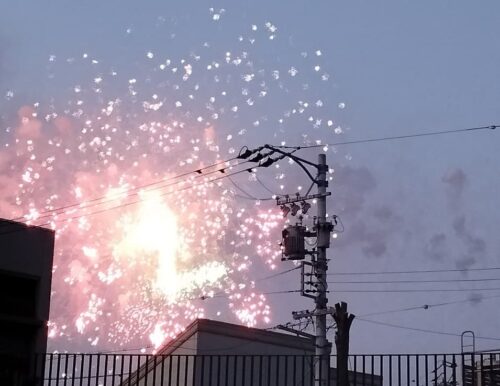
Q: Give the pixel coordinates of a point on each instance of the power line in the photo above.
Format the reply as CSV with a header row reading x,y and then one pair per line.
x,y
412,281
391,138
417,290
125,204
200,171
248,195
415,271
428,306
200,174
120,194
225,295
422,329
265,186
281,292
278,274
135,191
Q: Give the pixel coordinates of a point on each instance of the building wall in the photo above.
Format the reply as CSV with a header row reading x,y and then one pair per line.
x,y
26,255
274,358
180,366
220,353
209,351
215,353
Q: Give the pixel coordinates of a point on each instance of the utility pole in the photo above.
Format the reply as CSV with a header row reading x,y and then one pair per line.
x,y
314,272
323,230
314,282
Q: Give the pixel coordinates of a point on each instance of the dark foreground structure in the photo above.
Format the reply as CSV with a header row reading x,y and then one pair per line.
x,y
484,372
211,353
26,255
264,370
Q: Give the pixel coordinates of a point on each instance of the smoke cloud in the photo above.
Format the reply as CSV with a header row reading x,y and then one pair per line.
x,y
352,185
455,181
436,246
474,246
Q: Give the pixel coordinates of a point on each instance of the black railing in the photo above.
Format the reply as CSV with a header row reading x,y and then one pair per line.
x,y
262,370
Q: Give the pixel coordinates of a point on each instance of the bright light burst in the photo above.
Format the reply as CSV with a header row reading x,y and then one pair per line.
x,y
135,265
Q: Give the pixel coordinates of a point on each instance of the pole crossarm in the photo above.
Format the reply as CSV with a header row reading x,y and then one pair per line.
x,y
289,200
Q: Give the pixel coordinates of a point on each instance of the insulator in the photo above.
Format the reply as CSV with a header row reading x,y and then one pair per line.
x,y
305,207
268,162
285,210
245,152
294,209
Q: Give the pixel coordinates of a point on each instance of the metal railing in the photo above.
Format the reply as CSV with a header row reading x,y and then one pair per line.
x,y
262,370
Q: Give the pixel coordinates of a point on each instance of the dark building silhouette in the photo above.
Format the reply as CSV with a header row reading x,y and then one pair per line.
x,y
485,372
26,255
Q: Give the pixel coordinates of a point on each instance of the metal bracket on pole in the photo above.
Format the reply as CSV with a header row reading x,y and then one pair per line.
x,y
290,200
308,314
300,333
305,292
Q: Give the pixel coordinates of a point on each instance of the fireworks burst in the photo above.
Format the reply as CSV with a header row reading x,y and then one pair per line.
x,y
137,246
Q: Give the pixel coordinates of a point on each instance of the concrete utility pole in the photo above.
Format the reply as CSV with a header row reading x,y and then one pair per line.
x,y
313,282
323,230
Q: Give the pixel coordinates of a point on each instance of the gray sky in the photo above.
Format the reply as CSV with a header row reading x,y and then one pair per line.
x,y
400,67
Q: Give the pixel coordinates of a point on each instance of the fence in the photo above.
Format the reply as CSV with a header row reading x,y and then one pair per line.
x,y
262,370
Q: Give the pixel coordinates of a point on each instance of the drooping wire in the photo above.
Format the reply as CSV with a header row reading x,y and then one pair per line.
x,y
248,195
200,174
126,192
267,188
133,192
122,205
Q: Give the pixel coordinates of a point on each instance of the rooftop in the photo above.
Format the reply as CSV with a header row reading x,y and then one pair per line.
x,y
239,332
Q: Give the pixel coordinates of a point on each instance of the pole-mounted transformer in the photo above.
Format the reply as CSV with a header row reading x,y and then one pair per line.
x,y
293,243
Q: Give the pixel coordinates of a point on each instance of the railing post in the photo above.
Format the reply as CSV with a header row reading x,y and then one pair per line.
x,y
390,370
454,371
